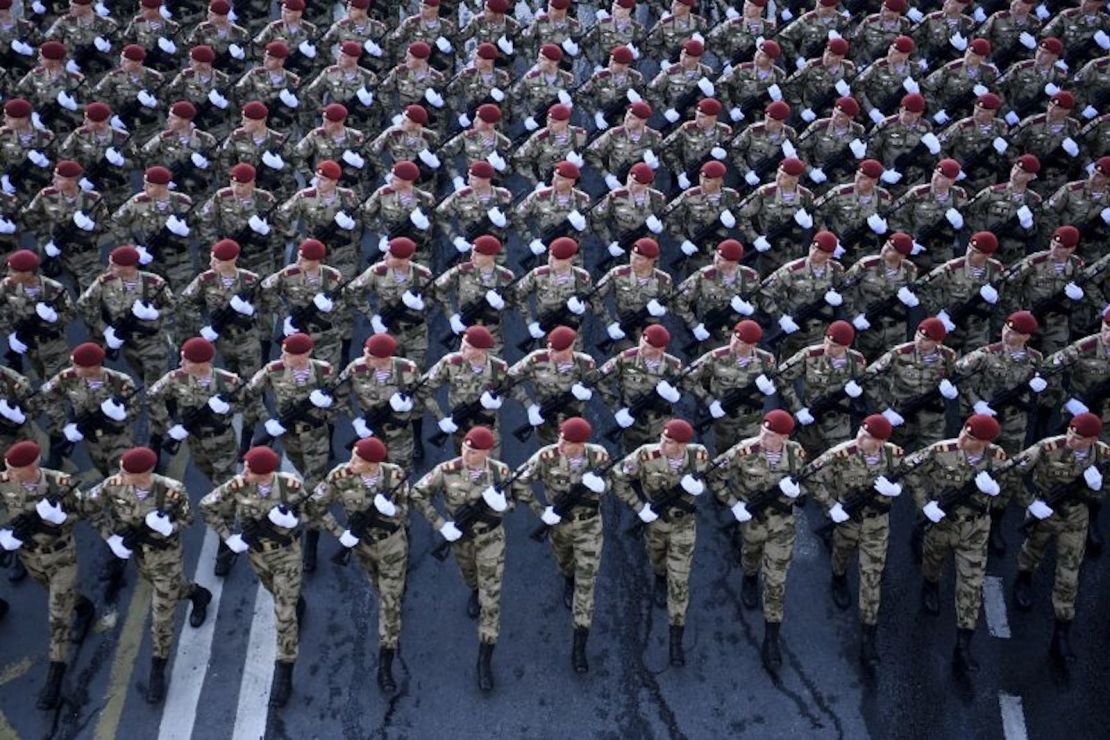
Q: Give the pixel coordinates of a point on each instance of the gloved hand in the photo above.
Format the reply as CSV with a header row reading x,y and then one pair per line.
x,y
667,391
740,306
789,487
765,385
178,432
955,218
612,182
1039,510
288,328
362,429
549,517
457,326
115,544
495,499
656,309
877,223
111,338
366,97
615,332
982,407
1037,384
988,294
593,482
837,513
947,390
575,305
716,410
736,114
647,516
167,45
218,405
177,226
427,157
258,225
280,516
817,175
958,41
1025,217
787,324
853,389
1000,145
236,51
9,541
727,219
160,522
323,302
274,428
980,89
671,115
570,47
986,484
740,511
287,97
624,418
15,345
808,115
321,399
50,513
688,248
891,177
38,158
450,532
113,409
615,249
535,418
146,99
908,297
859,149
530,123
347,539
274,161
887,488
692,485
700,332
401,403
236,544
72,433
494,299
894,417
384,505
505,45
497,94
804,417
490,401
650,159
933,512
1069,146
1012,118
1073,291
1093,477
66,100
354,159
418,219
751,178
861,323
803,219
12,413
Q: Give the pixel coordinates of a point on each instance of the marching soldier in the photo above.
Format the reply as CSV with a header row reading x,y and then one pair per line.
x,y
882,84
875,283
558,288
243,212
36,311
413,80
776,216
823,143
856,211
560,378
1024,81
184,148
1078,27
157,219
480,142
554,26
204,86
709,300
678,85
641,383
480,288
668,473
336,141
24,148
978,142
1051,136
548,209
1082,202
628,210
271,83
479,82
399,208
1005,29
1087,385
327,213
477,208
816,83
79,28
267,150
739,35
900,141
943,33
494,27
426,27
803,37
143,514
640,291
857,470
690,145
879,30
699,214
1045,282
565,464
463,481
151,30
762,472
808,286
131,90
51,87
673,29
1009,210
257,511
760,146
348,84
610,89
18,407
43,506
104,149
541,85
952,88
548,147
932,213
408,140
374,498
230,41
622,147
359,27
965,286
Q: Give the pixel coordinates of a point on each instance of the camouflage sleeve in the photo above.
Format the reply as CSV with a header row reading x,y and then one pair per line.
x,y
526,475
622,476
218,510
974,386
919,478
436,377
424,493
88,306
157,396
789,372
92,505
181,512
318,508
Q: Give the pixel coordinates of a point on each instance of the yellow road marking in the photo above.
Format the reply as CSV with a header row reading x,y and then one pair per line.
x,y
123,665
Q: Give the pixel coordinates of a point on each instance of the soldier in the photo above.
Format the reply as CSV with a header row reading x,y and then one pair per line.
x,y
131,88
1052,137
554,285
152,31
642,384
776,216
945,32
358,26
105,150
308,294
1045,282
230,41
157,220
613,28
24,149
86,33
336,141
763,472
474,377
560,377
823,143
857,211
1088,82
874,284
803,37
1095,136
51,87
205,87
201,397
674,29
257,511
1005,29
399,208
1082,202
1078,27
816,84
738,36
808,286
847,474
1009,210
408,140
540,86
699,215
931,213
328,212
952,88
694,142
481,142
548,211
481,289
413,80
877,32
294,31
639,291
479,82
620,148
302,388
374,497
463,481
271,83
1025,80
761,145
188,151
244,212
384,385
476,208
36,309
743,87
262,147
965,286
569,464
905,142
964,463
710,299
130,308
43,507
668,473
628,211
347,83
18,407
676,87
550,145
717,377
143,514
426,27
612,88
978,142
494,27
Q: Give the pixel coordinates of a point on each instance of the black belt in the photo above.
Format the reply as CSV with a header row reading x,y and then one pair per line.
x,y
481,528
59,544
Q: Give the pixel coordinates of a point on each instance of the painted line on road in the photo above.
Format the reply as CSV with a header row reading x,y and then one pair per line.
x,y
1013,717
123,665
994,601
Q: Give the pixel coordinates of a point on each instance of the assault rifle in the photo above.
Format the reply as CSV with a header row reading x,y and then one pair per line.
x,y
472,513
675,498
480,309
576,496
468,411
857,500
310,317
296,412
1072,490
649,400
361,522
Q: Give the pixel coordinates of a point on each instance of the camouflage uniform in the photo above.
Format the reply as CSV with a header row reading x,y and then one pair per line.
x,y
373,389
316,213
1036,135
1077,203
141,220
50,215
620,213
260,84
1076,28
89,147
844,211
291,289
552,381
756,147
470,88
1038,278
994,209
617,149
736,39
669,33
212,445
709,292
469,207
1023,84
1095,136
792,287
18,393
807,34
408,87
47,351
545,209
689,145
898,146
408,327
903,373
771,209
936,29
67,391
41,86
872,282
825,146
954,283
992,369
631,293
1003,28
469,286
814,85
720,371
971,144
319,145
677,85
466,383
15,147
225,215
1089,361
552,290
921,214
880,85
176,152
474,146
537,157
401,145
243,146
191,86
336,85
821,375
695,216
746,86
120,88
951,88
387,212
626,378
608,92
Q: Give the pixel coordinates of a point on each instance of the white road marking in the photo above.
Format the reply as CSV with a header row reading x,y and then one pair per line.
x,y
994,601
1013,717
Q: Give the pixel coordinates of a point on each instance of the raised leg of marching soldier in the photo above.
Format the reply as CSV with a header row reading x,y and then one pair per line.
x,y
147,357
309,449
386,562
768,546
577,543
83,267
871,536
214,455
1012,440
966,535
240,355
279,572
481,559
670,548
105,450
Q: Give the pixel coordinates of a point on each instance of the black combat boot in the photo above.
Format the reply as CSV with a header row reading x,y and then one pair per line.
x,y
1061,642
678,656
485,672
962,659
156,687
997,539
772,657
1023,590
52,691
473,607
840,591
225,558
749,592
17,571
930,597
311,540
578,651
84,613
659,595
302,607
868,652
112,570
282,686
1094,534
201,597
568,592
418,440
385,670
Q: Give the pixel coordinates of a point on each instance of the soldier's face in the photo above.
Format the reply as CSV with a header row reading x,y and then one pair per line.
x,y
88,372
242,189
202,68
983,115
560,183
728,267
356,14
649,350
196,368
80,11
559,265
888,15
561,355
952,7
331,126
123,272
773,125
346,61
940,182
23,473
222,266
618,12
633,122
129,65
398,264
1018,7
1058,252
158,192
66,184
840,119
896,57
704,120
256,478
710,184
1076,441
863,182
771,440
571,449
20,277
1099,180
378,363
832,349
970,444
829,59
671,448
272,63
1020,176
482,261
149,13
785,181
327,185
616,67
308,265
818,256
295,361
482,64
972,59
292,17
751,10
217,20
679,9
362,467
472,354
1044,57
473,458
975,257
866,442
908,118
923,343
739,346
1013,338
762,59
1057,112
429,12
640,263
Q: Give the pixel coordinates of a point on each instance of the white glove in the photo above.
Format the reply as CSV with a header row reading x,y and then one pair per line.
x,y
861,323
947,390
612,182
1000,145
494,299
728,220
736,114
354,159
837,513
707,87
320,399
362,429
8,541
177,226
817,175
167,45
535,418
530,123
1012,118
833,298
789,487
72,433
887,488
6,226
66,100
1090,112
1069,146
859,149
1105,214
908,297
751,178
671,115
581,392
1102,39
615,332
400,403
367,98
683,181
322,302
288,98
718,152
624,418
909,85
113,410
549,517
764,384
955,218
146,99
159,522
1073,291
1075,407
933,511
46,312
700,332
450,532
418,219
1038,384
505,45
218,405
716,410
692,485
428,158
890,177
144,310
235,544
615,249
593,482
761,244
347,539
647,516
457,325
894,417
274,428
26,50
808,115
958,41
1025,217
988,294
1039,509
775,93
803,219
38,158
495,499
656,309
111,339
688,248
804,417
1042,12
575,305
281,518
570,47
980,89
497,94
287,327
273,161
178,432
16,345
447,425
7,184
740,511
876,222
490,401
787,324
875,115
941,117
842,87
577,220
50,513
740,306
384,505
258,225
982,407
853,389
345,222
12,413
236,51
667,391
412,301
115,544
986,484
1093,478
496,217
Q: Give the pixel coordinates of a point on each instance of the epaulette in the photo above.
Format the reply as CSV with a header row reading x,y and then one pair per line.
x,y
1039,258
999,187
380,269
69,373
359,367
947,446
700,453
294,483
532,74
180,373
236,483
798,264
326,369
291,271
622,271
167,135
696,190
628,354
845,190
151,279
386,190
540,355
997,453
1003,14
549,453
542,270
673,361
857,356
276,366
651,454
505,272
308,193
688,125
871,261
50,190
620,193
801,189
452,465
953,64
709,272
341,472
499,364
454,358
996,264
817,351
601,75
579,130
106,278
722,352
899,451
225,193
408,365
994,347
845,450
142,198
580,272
1077,185
1087,344
905,348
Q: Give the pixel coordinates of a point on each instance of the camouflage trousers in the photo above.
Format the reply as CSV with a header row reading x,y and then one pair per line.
x,y
47,358
921,431
966,534
328,345
163,569
309,451
648,427
215,455
399,443
670,549
831,429
240,352
57,571
1069,527
481,560
1014,423
883,334
768,546
262,261
1053,334
83,266
972,334
177,268
385,561
412,342
577,543
279,572
871,535
147,357
105,450
811,332
729,430
25,431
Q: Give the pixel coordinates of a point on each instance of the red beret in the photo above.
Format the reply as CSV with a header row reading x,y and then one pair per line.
x,y
1053,45
902,242
184,109
642,173
1067,235
406,170
758,3
402,247
261,460
134,52
371,449
487,244
568,169
950,168
826,241
933,328
641,110
158,175
563,248
561,337
621,55
898,6
256,110
914,102
54,50
381,345
68,168
778,421
838,46
559,112
771,48
481,168
710,107
88,354
360,4
731,250
489,113
1029,163
872,168
748,331
1064,99
984,241
646,247
1087,425
226,249
98,112
312,249
351,49
497,6
277,49
416,114
693,47
559,4
778,110
430,3
487,51
219,7
904,44
792,166
982,427
23,454
982,47
990,101
576,430
202,53
479,438
713,169
335,112
125,256
689,3
679,430
139,459
294,4
298,344
657,335
1023,322
17,108
243,172
552,52
420,50
330,169
478,337
198,349
848,105
878,426
23,260
1103,165
841,332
